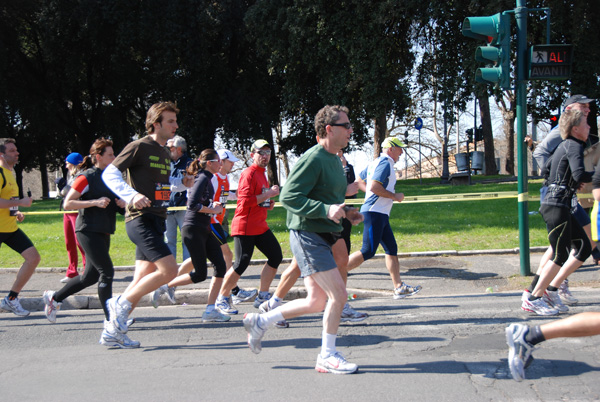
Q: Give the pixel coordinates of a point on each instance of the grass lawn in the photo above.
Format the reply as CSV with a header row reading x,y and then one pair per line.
x,y
431,226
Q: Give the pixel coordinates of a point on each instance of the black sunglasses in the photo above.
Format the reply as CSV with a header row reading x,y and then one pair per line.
x,y
347,126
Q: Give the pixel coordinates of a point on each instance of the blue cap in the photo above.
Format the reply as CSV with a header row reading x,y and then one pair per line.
x,y
74,158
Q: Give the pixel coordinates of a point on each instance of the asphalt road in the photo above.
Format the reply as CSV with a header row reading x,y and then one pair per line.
x,y
431,347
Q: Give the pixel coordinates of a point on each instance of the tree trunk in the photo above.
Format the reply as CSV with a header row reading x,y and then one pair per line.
x,y
272,168
488,135
282,155
509,133
380,134
44,175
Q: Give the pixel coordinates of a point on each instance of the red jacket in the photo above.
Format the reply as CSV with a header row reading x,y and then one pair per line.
x,y
250,219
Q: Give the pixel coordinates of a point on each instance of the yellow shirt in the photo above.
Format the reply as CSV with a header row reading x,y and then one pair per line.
x,y
10,190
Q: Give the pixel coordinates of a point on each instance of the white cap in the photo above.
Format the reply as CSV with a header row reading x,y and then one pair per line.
x,y
226,154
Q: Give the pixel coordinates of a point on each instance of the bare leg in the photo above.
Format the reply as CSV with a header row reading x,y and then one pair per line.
x,y
32,259
266,277
393,266
583,324
287,280
215,286
166,270
227,255
231,279
570,266
320,287
549,272
356,258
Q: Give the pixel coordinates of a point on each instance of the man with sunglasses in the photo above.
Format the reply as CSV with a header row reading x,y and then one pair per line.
x,y
249,228
314,196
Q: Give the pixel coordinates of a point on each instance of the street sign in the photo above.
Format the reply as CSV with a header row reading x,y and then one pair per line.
x,y
550,62
418,123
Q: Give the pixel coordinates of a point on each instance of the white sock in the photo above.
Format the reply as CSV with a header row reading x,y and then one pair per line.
x,y
328,344
124,302
270,318
274,302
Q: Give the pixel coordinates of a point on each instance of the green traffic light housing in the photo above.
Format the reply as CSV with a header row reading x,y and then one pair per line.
x,y
495,30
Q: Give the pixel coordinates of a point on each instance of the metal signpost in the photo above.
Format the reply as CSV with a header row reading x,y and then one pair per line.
x,y
419,126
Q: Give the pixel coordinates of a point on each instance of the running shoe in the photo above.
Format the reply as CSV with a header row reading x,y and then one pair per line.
x,y
243,295
406,290
224,306
553,300
155,296
538,307
255,332
116,339
51,307
565,293
336,364
519,350
262,297
349,314
118,314
215,316
171,294
130,322
14,306
264,307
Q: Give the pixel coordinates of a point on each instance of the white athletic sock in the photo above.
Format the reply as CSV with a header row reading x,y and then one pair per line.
x,y
274,302
269,318
328,344
124,302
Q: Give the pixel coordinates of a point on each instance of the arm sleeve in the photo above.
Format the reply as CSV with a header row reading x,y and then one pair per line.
x,y
577,167
246,194
196,193
113,178
81,184
294,196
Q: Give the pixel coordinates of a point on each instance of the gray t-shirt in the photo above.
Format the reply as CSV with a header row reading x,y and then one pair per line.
x,y
544,150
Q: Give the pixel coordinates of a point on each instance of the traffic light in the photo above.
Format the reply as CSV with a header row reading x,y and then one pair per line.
x,y
406,137
495,30
554,120
469,132
479,134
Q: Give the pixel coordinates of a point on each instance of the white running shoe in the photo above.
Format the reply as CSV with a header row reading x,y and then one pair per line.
x,y
349,314
565,293
262,297
264,307
14,306
255,332
538,307
224,306
336,364
51,307
114,338
553,300
243,295
155,296
118,314
406,290
65,279
215,316
519,350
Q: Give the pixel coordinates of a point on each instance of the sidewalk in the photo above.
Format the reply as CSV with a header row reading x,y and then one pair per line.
x,y
440,273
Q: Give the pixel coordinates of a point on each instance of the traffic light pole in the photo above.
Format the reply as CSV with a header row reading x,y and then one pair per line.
x,y
521,77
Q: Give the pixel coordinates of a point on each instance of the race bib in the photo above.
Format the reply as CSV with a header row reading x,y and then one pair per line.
x,y
162,193
13,210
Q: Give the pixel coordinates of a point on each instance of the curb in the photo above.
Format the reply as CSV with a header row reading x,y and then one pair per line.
x,y
414,254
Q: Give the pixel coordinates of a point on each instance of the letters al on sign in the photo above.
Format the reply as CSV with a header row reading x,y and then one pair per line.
x,y
550,62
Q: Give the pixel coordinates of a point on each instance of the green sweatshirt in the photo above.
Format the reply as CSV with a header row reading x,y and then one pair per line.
x,y
316,182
